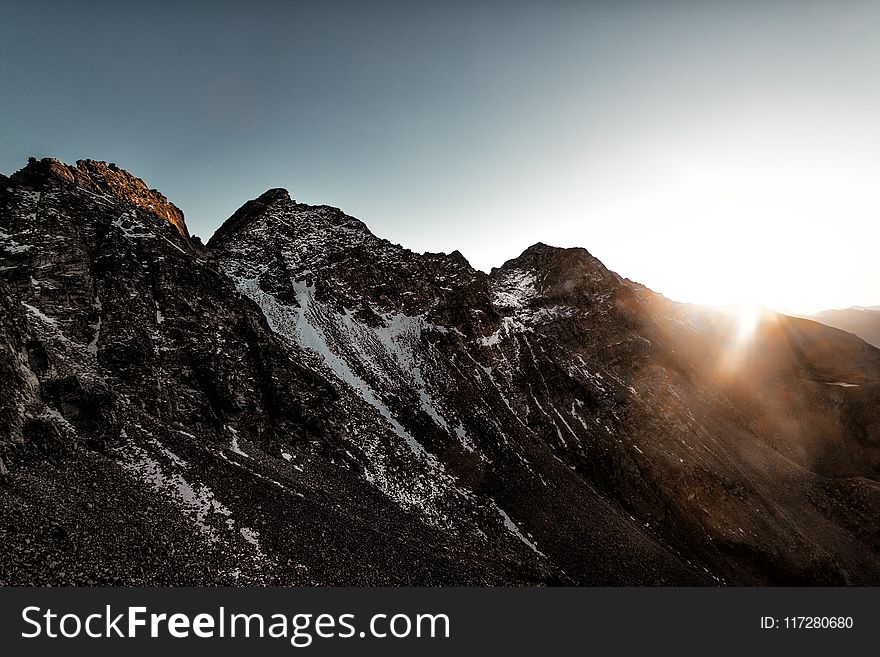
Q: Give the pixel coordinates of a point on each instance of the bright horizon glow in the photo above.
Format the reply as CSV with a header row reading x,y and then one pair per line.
x,y
760,215
771,225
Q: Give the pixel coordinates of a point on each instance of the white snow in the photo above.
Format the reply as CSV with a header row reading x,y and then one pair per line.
x,y
92,347
515,289
50,413
491,340
15,247
513,529
398,337
39,313
301,327
234,446
197,500
52,322
358,355
251,536
127,222
509,326
12,246
466,441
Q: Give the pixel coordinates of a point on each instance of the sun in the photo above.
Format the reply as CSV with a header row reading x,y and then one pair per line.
x,y
744,322
746,318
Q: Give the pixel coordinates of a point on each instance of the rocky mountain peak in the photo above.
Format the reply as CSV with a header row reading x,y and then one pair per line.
x,y
542,255
102,177
274,195
248,213
307,401
561,272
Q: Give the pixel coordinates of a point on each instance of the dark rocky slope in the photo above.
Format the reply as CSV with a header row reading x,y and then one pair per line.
x,y
301,402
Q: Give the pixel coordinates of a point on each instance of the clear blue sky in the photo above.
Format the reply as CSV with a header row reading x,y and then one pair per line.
x,y
702,148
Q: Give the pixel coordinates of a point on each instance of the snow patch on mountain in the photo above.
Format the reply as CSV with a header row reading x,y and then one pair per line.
x,y
514,289
511,527
197,500
310,325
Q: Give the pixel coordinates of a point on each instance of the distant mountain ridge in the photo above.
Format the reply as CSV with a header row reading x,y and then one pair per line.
x,y
300,402
860,320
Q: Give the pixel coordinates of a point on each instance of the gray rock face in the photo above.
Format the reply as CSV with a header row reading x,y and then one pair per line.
x,y
301,402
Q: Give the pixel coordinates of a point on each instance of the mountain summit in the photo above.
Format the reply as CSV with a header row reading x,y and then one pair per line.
x,y
102,178
301,402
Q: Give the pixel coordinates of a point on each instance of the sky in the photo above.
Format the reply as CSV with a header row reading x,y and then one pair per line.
x,y
718,152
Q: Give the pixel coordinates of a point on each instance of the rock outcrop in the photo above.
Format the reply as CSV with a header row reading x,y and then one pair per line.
x,y
104,178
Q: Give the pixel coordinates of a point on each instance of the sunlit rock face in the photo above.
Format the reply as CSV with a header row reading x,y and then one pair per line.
x,y
105,179
301,402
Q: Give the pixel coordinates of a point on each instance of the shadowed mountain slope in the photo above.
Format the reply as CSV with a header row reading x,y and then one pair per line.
x,y
301,402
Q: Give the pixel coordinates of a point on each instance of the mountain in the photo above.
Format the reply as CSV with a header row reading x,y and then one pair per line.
x,y
864,322
300,402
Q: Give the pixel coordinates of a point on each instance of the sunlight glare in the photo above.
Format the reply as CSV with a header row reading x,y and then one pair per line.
x,y
746,317
745,320
763,220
